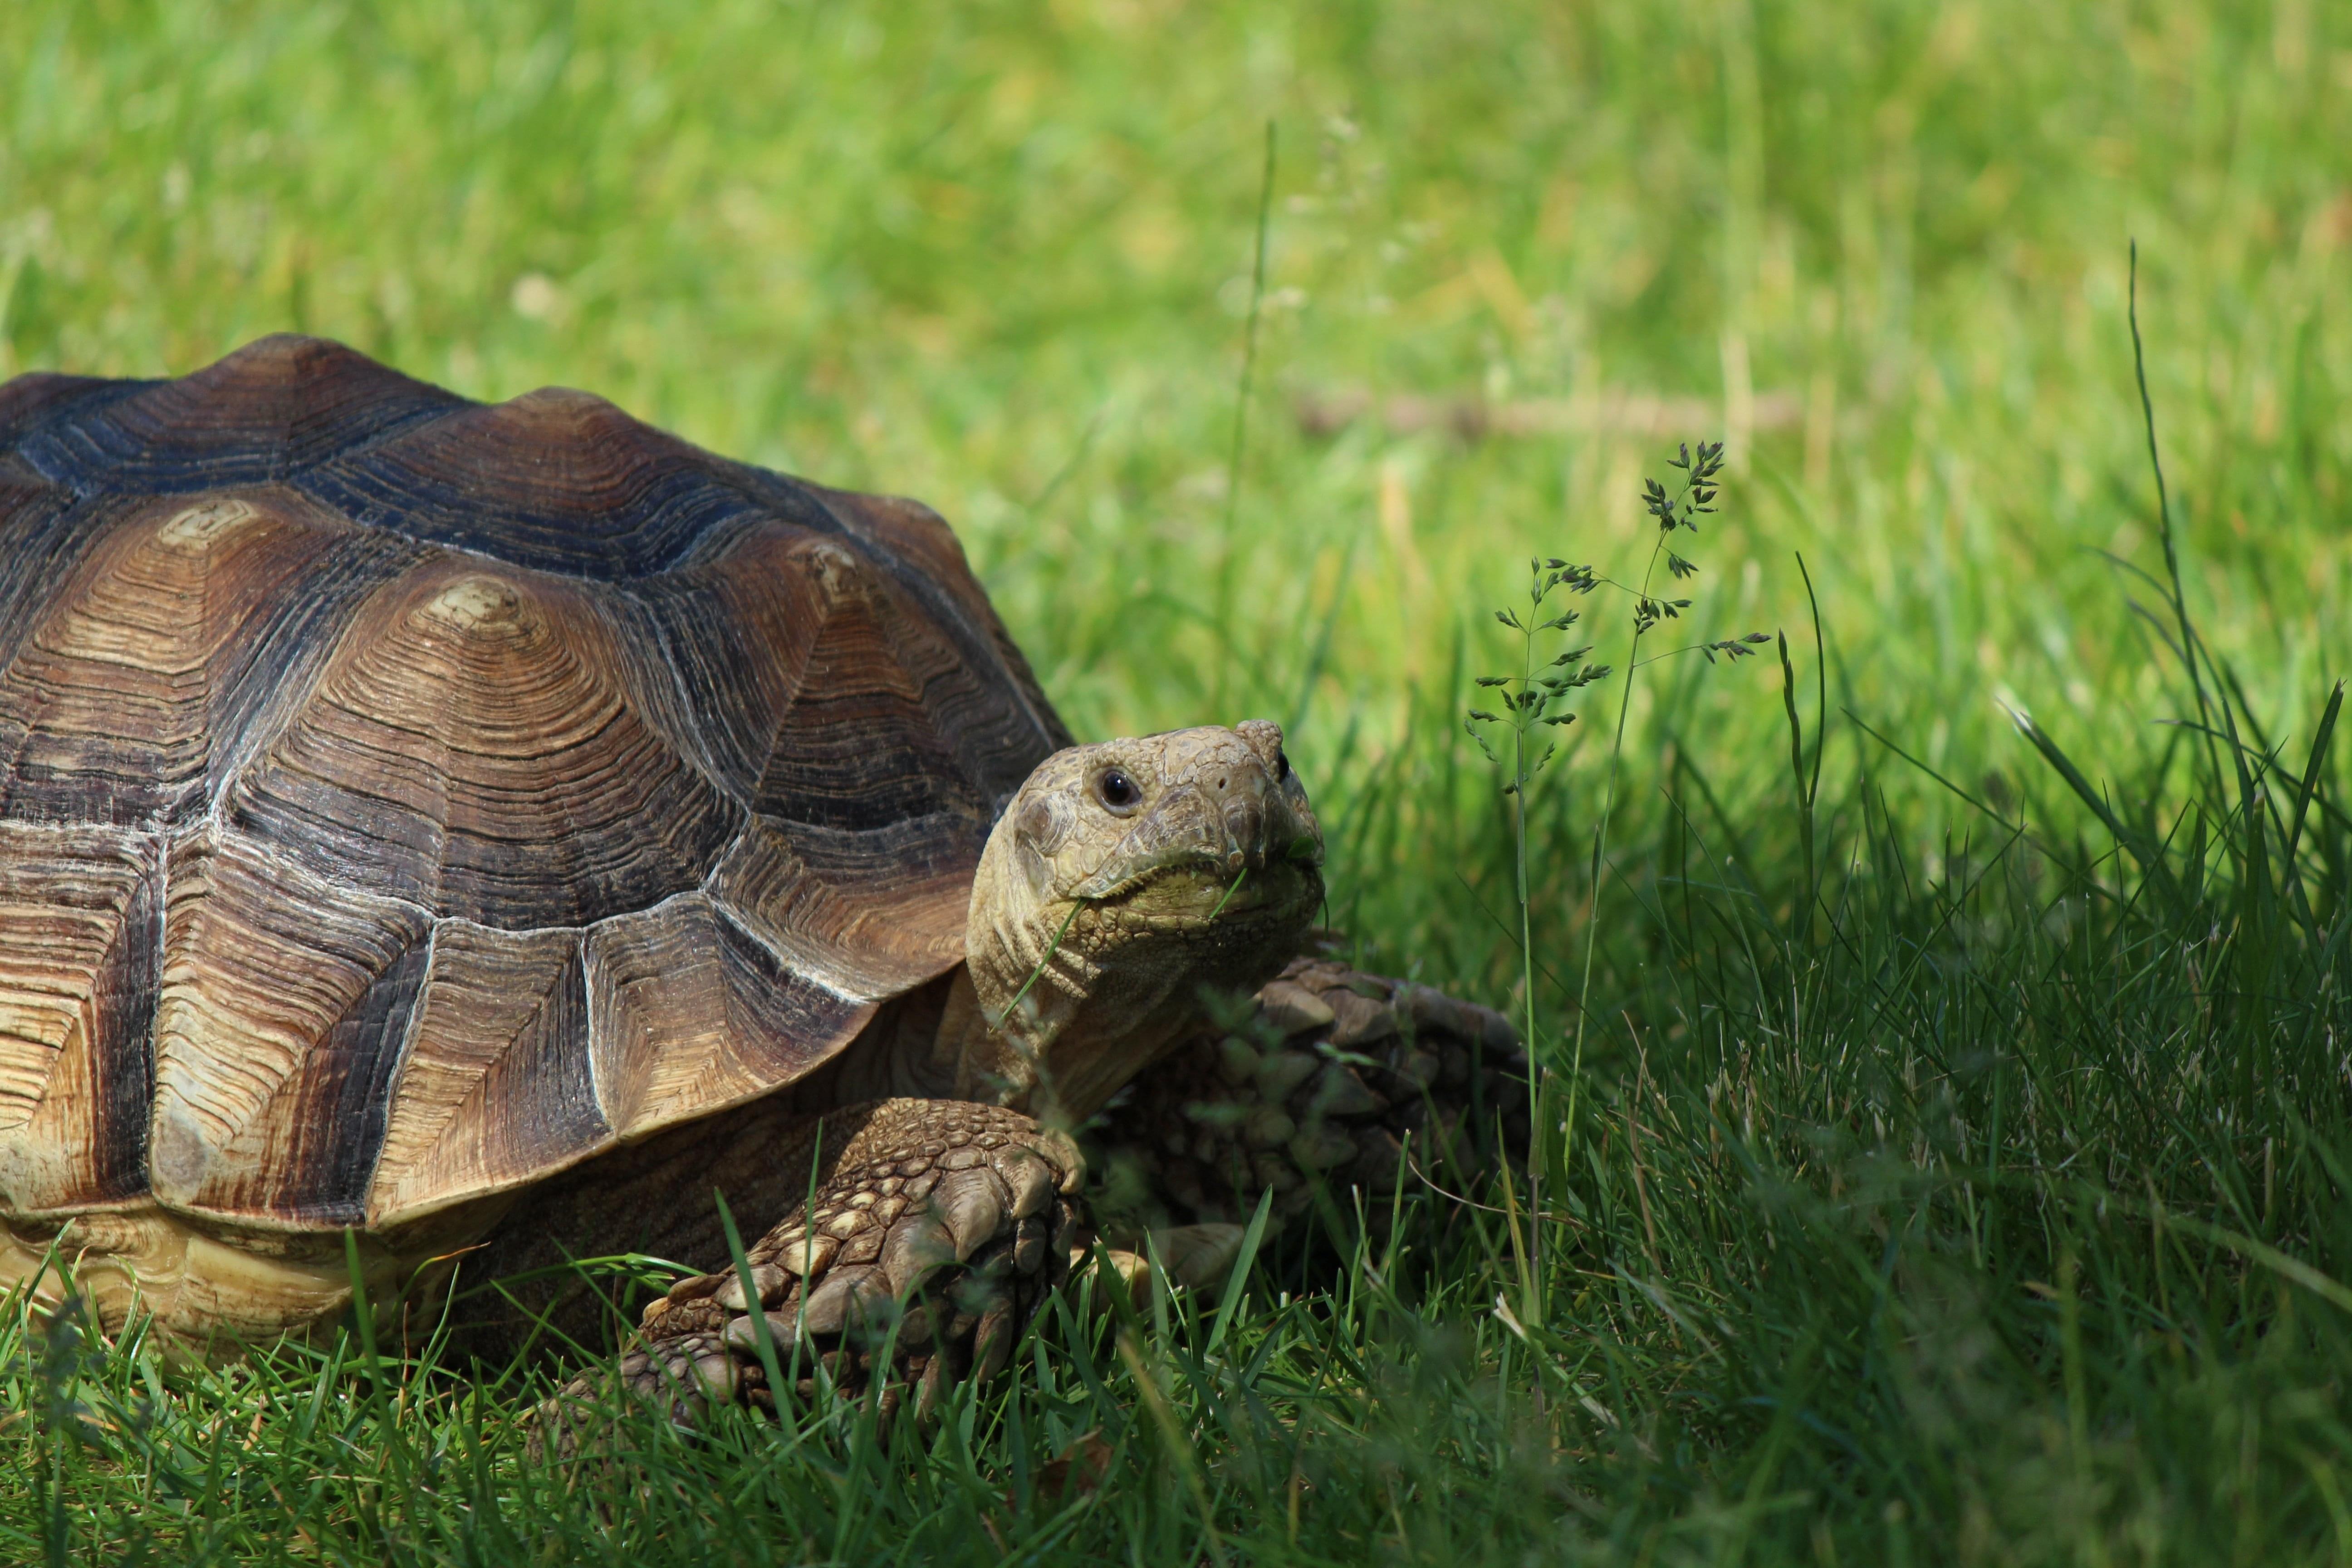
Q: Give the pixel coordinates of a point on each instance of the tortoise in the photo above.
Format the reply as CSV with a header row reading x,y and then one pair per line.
x,y
436,835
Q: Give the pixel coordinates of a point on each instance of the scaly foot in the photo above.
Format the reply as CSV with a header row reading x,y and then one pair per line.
x,y
936,1231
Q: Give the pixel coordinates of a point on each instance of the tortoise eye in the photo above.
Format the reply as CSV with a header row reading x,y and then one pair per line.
x,y
1117,792
1281,764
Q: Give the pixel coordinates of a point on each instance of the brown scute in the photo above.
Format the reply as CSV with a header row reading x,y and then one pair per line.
x,y
830,693
273,407
80,913
35,392
882,922
306,1157
739,631
44,534
278,988
556,479
106,707
690,1014
277,660
554,450
869,735
479,746
498,1086
908,532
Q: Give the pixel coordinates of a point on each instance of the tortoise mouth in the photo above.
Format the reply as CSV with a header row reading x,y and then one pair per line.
x,y
1234,868
1198,891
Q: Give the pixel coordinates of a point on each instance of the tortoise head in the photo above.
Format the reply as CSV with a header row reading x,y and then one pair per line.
x,y
1123,881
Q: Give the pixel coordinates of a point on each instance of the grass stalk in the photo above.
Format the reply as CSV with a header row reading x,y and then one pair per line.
x,y
1229,543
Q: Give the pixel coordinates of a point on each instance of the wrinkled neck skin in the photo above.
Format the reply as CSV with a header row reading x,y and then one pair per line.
x,y
1124,882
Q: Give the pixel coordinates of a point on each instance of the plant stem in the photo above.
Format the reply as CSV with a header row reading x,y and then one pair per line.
x,y
1241,415
1532,1286
1599,849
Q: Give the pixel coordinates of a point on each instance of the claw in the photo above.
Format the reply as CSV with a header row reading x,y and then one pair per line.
x,y
914,1330
1029,1251
1032,1181
693,1288
1292,1008
829,1304
934,1384
1361,1020
715,1375
1062,1150
993,1341
1069,1230
916,1246
1134,1271
970,1203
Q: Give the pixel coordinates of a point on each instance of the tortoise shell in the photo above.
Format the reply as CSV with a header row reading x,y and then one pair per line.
x,y
403,798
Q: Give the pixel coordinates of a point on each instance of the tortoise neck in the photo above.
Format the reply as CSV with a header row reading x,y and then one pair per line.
x,y
1067,1030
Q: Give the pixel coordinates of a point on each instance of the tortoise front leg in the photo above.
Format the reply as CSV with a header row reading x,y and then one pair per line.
x,y
936,1230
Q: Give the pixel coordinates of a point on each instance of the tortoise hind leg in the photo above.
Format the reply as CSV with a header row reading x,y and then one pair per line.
x,y
1334,1078
936,1230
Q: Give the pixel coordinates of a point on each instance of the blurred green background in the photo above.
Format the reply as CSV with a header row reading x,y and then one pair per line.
x,y
997,257
1001,257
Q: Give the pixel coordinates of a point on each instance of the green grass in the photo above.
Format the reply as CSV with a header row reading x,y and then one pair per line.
x,y
1982,1195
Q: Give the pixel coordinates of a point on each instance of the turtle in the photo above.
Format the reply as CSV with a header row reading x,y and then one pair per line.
x,y
441,837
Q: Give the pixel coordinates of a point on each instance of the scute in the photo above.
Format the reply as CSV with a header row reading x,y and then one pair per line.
x,y
556,480
80,912
480,742
690,1014
402,798
279,990
500,1072
106,707
273,408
